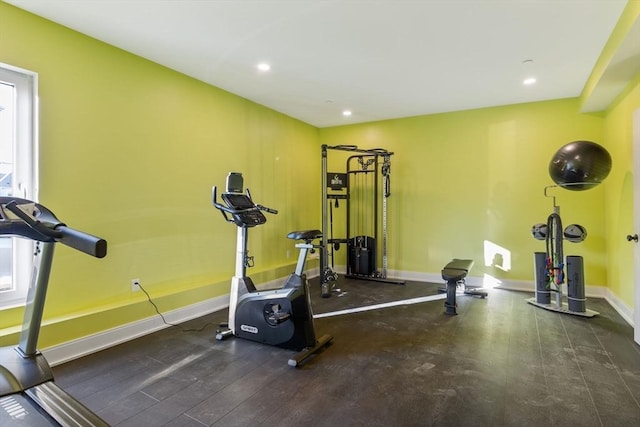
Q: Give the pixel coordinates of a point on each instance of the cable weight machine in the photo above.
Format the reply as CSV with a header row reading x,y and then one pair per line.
x,y
359,188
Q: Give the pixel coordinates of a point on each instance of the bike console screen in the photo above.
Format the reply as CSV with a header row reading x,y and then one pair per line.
x,y
246,213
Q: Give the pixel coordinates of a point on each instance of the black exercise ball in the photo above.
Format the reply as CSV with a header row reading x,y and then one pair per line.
x,y
580,165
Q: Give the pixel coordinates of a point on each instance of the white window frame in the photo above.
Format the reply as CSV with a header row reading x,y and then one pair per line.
x,y
25,172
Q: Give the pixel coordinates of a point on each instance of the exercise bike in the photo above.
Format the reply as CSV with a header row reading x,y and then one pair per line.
x,y
28,394
279,317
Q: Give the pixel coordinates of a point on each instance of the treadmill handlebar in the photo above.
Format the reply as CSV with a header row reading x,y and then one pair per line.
x,y
42,225
84,242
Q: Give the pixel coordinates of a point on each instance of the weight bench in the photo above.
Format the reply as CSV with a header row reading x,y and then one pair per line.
x,y
454,274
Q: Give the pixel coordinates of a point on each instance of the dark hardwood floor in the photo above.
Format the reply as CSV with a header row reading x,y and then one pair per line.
x,y
499,362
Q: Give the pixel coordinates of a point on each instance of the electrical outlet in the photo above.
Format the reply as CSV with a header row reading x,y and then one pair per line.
x,y
135,285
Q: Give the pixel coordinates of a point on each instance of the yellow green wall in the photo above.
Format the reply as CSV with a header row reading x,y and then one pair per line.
x,y
129,151
619,194
618,131
458,179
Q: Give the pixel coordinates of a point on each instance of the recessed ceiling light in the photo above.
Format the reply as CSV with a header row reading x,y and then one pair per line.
x,y
263,66
346,113
529,81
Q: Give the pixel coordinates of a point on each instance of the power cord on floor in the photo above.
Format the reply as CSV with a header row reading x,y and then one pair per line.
x,y
169,323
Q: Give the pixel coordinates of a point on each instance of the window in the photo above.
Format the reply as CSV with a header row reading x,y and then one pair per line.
x,y
18,174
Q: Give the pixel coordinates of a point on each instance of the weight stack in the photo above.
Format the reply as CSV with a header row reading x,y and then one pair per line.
x,y
575,284
362,255
543,293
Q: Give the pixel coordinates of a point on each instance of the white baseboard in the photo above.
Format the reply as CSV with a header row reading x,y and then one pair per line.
x,y
623,310
93,343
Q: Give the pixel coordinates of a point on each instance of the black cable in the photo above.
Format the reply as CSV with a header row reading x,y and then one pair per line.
x,y
165,320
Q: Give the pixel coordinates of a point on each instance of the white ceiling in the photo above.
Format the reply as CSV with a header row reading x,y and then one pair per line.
x,y
379,58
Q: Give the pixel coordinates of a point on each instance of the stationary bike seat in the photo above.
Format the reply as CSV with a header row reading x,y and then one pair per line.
x,y
306,235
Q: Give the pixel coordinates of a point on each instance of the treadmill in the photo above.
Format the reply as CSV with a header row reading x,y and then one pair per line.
x,y
28,394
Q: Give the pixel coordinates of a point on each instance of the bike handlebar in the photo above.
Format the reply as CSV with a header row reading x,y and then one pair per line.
x,y
266,209
232,211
